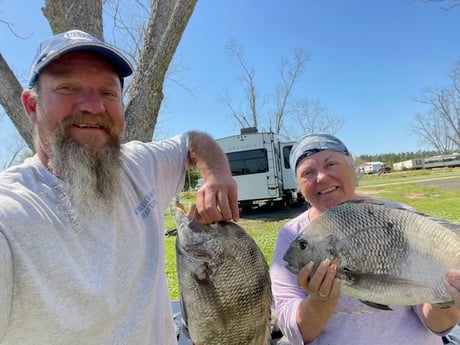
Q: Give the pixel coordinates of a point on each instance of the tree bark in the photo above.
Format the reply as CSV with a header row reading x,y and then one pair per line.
x,y
11,101
64,15
168,19
167,23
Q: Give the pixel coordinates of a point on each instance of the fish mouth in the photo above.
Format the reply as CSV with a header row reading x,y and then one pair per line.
x,y
292,269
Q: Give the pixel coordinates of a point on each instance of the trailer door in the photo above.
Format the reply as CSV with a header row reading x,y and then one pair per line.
x,y
289,181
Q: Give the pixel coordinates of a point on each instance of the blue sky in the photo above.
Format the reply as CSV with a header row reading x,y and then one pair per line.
x,y
370,59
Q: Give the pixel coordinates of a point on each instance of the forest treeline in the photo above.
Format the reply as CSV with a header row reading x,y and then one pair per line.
x,y
390,158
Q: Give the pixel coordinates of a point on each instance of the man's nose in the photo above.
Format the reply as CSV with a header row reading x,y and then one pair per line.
x,y
91,102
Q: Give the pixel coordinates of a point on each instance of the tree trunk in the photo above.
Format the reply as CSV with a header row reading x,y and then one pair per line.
x,y
168,19
167,23
11,102
64,15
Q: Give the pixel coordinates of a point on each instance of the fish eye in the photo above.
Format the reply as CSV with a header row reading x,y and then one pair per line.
x,y
303,244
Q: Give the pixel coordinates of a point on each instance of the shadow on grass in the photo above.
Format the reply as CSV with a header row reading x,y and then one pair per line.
x,y
273,213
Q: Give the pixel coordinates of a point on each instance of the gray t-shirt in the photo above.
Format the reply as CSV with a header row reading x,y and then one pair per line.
x,y
67,280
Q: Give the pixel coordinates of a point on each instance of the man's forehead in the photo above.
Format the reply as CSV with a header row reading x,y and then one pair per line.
x,y
81,58
76,64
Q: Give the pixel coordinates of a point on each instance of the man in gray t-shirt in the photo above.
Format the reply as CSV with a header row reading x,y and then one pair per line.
x,y
81,222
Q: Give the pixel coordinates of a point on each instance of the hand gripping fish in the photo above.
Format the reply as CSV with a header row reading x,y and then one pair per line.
x,y
385,255
224,283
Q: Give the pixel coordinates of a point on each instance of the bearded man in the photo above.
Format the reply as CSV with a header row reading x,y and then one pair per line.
x,y
81,222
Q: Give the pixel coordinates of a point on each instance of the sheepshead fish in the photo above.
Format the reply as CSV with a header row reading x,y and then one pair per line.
x,y
385,255
224,283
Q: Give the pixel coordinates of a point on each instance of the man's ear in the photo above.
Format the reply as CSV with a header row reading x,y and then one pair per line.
x,y
29,102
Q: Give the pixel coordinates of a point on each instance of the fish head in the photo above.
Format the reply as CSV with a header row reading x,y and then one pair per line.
x,y
194,239
305,249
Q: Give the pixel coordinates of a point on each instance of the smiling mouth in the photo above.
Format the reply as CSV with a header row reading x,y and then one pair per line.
x,y
85,126
328,190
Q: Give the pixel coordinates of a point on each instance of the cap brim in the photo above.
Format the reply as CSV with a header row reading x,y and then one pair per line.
x,y
121,64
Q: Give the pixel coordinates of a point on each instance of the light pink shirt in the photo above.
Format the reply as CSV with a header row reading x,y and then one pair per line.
x,y
353,322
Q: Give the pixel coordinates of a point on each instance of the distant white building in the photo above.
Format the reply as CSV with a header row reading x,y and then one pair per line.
x,y
411,164
442,161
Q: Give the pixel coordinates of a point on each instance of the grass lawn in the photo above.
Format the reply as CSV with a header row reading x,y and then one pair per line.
x,y
402,187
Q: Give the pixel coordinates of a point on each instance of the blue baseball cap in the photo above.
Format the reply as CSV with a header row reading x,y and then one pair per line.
x,y
312,143
75,40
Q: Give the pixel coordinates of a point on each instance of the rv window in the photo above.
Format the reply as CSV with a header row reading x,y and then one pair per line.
x,y
248,162
286,153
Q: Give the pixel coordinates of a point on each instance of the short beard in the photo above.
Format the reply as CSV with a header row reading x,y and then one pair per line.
x,y
91,175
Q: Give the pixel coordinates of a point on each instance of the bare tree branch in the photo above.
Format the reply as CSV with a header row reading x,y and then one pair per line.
x,y
450,4
431,132
15,149
235,50
313,116
11,29
440,126
166,25
289,72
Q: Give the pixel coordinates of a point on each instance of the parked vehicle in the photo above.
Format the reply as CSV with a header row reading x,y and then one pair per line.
x,y
259,162
384,170
371,167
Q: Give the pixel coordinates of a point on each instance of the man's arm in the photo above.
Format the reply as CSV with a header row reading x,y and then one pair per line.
x,y
217,199
6,284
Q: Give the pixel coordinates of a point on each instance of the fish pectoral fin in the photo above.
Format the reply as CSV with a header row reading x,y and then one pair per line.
x,y
376,305
354,277
444,305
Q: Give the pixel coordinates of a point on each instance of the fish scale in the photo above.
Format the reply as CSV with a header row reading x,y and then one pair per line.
x,y
385,255
224,284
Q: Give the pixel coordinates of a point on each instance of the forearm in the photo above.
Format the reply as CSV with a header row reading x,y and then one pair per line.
x,y
217,199
207,156
6,284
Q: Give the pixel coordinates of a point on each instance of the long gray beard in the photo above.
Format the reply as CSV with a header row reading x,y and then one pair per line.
x,y
92,176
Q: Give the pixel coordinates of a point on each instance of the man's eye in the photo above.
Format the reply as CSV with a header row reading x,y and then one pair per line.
x,y
110,93
65,88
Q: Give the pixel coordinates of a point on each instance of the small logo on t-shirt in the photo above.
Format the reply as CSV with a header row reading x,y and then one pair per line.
x,y
147,205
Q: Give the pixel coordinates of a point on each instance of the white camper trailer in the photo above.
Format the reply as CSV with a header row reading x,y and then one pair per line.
x,y
260,167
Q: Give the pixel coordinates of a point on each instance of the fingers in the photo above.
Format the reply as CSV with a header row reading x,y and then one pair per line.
x,y
453,285
217,200
304,274
323,284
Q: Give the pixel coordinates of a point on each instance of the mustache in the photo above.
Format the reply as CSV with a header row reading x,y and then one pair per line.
x,y
89,121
